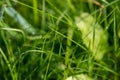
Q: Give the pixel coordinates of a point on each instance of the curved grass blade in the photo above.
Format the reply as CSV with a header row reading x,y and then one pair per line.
x,y
12,31
15,30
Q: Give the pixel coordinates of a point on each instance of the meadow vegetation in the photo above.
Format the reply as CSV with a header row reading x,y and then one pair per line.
x,y
56,39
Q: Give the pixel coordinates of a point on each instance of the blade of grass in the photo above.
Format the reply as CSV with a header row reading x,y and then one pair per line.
x,y
115,43
8,64
115,36
15,30
68,50
43,14
39,51
35,12
106,68
71,5
49,61
8,46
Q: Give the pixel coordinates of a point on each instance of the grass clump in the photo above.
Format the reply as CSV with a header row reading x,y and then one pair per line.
x,y
59,40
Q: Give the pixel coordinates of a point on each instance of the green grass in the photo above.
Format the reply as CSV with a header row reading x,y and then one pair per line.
x,y
43,39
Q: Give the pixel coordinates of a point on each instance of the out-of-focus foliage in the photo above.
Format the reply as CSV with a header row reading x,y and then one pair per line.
x,y
93,35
